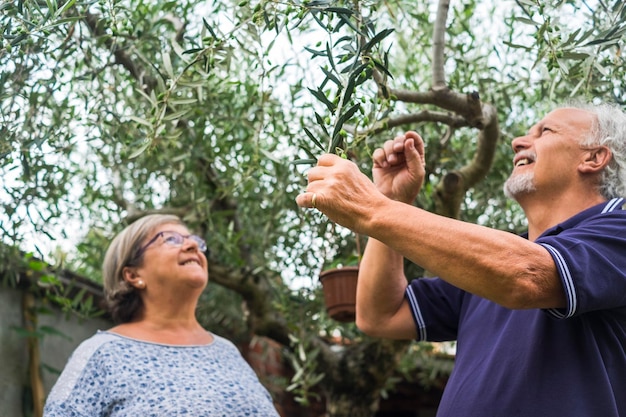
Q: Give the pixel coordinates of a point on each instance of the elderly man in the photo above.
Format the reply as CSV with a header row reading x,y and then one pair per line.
x,y
539,319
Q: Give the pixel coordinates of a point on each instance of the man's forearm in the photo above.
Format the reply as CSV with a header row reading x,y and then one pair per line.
x,y
496,265
381,307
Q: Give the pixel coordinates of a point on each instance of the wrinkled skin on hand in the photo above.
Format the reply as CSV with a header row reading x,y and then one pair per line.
x,y
398,169
350,198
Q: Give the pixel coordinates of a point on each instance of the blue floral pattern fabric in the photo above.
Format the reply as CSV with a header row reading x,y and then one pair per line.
x,y
111,375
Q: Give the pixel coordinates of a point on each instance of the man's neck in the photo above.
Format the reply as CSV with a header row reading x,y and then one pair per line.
x,y
544,213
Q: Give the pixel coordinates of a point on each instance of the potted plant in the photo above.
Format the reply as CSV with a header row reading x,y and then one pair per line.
x,y
339,286
339,281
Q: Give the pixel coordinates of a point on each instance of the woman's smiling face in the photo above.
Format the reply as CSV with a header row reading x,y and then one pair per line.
x,y
168,262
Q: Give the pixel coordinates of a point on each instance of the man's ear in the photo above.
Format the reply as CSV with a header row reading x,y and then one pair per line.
x,y
595,160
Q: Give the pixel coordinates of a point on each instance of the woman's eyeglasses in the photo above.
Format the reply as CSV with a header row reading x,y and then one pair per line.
x,y
174,239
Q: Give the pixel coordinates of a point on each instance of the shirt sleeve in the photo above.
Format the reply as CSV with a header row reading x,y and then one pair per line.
x,y
591,262
436,307
68,396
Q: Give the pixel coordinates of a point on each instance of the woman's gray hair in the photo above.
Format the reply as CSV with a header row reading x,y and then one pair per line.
x,y
609,129
122,299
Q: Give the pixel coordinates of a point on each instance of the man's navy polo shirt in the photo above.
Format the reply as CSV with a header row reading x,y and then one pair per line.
x,y
562,362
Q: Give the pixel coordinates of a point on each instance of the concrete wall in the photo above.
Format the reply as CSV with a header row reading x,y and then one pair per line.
x,y
55,349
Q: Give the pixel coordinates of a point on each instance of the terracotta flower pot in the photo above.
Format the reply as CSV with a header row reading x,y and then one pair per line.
x,y
339,285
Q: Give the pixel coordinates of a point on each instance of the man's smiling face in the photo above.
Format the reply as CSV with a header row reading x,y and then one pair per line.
x,y
546,159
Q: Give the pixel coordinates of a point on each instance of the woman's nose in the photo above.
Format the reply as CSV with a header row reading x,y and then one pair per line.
x,y
189,243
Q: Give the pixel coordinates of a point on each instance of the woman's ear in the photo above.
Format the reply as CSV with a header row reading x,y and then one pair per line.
x,y
132,276
595,160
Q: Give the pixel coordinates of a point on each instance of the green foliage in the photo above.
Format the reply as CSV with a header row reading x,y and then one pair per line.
x,y
426,364
63,293
579,44
353,49
306,376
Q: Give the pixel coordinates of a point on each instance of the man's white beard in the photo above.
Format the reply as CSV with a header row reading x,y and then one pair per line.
x,y
518,184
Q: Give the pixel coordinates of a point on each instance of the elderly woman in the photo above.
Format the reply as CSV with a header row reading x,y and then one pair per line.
x,y
158,361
